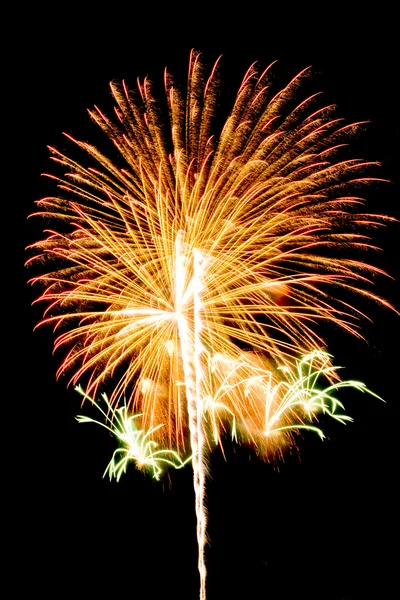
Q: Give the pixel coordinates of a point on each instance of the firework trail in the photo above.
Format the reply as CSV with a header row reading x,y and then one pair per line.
x,y
202,258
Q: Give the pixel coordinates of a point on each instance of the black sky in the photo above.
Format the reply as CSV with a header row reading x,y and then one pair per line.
x,y
326,525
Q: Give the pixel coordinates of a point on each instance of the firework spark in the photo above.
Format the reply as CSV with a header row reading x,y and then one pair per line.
x,y
203,258
290,399
136,444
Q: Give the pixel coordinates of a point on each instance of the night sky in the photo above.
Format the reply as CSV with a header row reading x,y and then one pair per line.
x,y
322,525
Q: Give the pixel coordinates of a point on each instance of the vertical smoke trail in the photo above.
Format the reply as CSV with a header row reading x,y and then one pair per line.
x,y
192,370
198,266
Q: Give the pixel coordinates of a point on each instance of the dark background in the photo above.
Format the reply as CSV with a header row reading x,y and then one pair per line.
x,y
322,525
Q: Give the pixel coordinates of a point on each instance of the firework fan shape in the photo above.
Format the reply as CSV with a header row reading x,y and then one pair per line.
x,y
202,259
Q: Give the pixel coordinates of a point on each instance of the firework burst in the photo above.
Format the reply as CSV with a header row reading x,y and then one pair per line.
x,y
262,205
201,259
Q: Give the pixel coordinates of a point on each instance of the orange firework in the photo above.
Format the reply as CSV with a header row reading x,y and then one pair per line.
x,y
255,221
194,269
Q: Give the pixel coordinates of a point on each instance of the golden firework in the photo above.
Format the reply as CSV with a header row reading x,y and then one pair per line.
x,y
195,267
254,220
